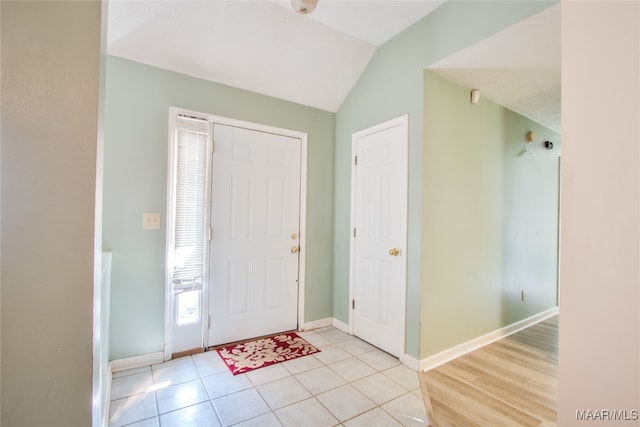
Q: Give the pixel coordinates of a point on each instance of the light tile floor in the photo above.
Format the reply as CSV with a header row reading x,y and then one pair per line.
x,y
349,383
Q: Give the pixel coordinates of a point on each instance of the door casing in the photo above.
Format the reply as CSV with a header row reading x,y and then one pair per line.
x,y
169,295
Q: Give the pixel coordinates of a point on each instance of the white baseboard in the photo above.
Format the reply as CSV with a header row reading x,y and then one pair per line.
x,y
410,362
445,356
407,360
315,324
329,321
340,325
136,361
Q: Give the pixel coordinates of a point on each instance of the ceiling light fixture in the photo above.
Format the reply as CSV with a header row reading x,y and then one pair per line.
x,y
304,7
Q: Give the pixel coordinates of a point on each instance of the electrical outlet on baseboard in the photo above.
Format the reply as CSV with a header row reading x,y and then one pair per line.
x,y
523,295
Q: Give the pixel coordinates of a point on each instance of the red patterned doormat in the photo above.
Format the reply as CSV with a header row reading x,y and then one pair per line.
x,y
250,355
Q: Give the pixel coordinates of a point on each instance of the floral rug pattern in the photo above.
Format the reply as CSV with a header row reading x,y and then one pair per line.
x,y
263,352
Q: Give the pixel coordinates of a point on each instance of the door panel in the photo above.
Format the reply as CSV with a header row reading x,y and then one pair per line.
x,y
255,210
379,246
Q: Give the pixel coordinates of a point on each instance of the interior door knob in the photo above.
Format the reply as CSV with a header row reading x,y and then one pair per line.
x,y
394,251
294,249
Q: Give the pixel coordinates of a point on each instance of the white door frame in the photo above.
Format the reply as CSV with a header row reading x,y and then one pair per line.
x,y
398,121
169,295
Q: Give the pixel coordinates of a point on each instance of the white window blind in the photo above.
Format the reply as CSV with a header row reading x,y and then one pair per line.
x,y
190,230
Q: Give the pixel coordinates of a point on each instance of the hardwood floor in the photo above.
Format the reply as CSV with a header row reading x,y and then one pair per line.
x,y
512,382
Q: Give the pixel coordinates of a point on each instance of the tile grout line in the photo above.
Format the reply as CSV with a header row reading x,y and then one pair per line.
x,y
356,344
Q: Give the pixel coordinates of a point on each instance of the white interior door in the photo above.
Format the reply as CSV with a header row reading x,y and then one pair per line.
x,y
379,219
255,218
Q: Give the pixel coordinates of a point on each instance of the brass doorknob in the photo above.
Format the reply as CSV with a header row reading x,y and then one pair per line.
x,y
394,251
294,249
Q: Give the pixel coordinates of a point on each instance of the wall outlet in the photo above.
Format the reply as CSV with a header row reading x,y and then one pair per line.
x,y
523,295
151,221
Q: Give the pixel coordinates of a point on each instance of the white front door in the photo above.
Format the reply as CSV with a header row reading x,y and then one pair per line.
x,y
379,220
255,218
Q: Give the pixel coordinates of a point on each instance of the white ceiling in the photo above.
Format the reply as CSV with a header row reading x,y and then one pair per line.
x,y
265,47
518,67
260,45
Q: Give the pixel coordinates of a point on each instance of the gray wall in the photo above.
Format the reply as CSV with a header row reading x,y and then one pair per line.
x,y
599,365
490,218
392,85
50,97
137,110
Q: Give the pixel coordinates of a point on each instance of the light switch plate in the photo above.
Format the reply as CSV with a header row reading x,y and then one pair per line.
x,y
151,221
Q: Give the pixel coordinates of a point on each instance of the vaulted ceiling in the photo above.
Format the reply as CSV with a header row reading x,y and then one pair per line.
x,y
264,46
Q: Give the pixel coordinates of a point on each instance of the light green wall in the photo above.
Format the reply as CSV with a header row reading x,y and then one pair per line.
x,y
490,217
462,216
392,85
531,215
137,108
